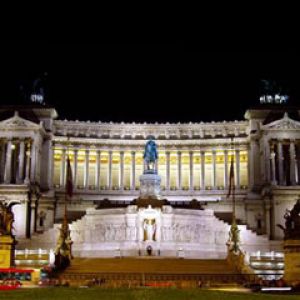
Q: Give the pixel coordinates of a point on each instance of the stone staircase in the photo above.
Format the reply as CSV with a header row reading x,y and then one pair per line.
x,y
47,239
149,271
150,264
227,218
250,240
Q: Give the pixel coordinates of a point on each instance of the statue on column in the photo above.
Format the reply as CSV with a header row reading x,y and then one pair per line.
x,y
149,229
292,223
233,242
150,156
63,250
6,218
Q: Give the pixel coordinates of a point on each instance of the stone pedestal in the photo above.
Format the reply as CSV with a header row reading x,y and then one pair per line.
x,y
7,251
292,261
150,186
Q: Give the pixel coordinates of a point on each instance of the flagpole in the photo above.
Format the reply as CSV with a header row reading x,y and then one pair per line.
x,y
234,239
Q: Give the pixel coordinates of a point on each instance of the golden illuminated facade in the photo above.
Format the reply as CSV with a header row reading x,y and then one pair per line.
x,y
188,170
107,160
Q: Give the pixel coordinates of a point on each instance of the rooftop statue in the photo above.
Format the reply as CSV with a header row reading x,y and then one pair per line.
x,y
292,223
271,93
150,155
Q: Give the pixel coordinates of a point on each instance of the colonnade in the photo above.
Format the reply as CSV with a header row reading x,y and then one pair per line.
x,y
284,166
201,165
18,159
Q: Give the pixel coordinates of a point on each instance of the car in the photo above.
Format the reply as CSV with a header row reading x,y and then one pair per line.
x,y
10,284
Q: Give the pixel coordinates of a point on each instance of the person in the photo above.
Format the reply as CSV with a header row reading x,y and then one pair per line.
x,y
199,283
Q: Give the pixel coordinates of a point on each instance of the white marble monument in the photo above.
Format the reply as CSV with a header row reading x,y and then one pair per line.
x,y
163,231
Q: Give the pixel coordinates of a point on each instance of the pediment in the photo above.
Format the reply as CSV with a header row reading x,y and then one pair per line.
x,y
18,123
286,123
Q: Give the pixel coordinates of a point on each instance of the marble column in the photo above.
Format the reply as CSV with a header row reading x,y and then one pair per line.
x,y
179,186
27,167
98,169
2,161
237,164
214,170
293,163
33,161
121,181
167,170
132,185
20,177
267,162
109,179
62,169
75,175
225,169
8,161
273,168
87,169
280,163
51,166
202,155
251,163
191,154
297,166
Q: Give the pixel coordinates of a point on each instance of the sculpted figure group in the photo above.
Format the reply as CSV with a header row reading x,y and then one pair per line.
x,y
6,218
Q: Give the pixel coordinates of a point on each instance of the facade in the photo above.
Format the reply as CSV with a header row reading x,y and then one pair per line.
x,y
106,159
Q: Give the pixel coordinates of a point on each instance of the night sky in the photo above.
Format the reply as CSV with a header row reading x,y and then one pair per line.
x,y
145,82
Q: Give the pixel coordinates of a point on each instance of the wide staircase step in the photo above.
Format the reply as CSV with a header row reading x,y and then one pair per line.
x,y
149,265
147,271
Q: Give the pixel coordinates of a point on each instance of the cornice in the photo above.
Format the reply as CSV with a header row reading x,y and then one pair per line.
x,y
144,130
189,144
